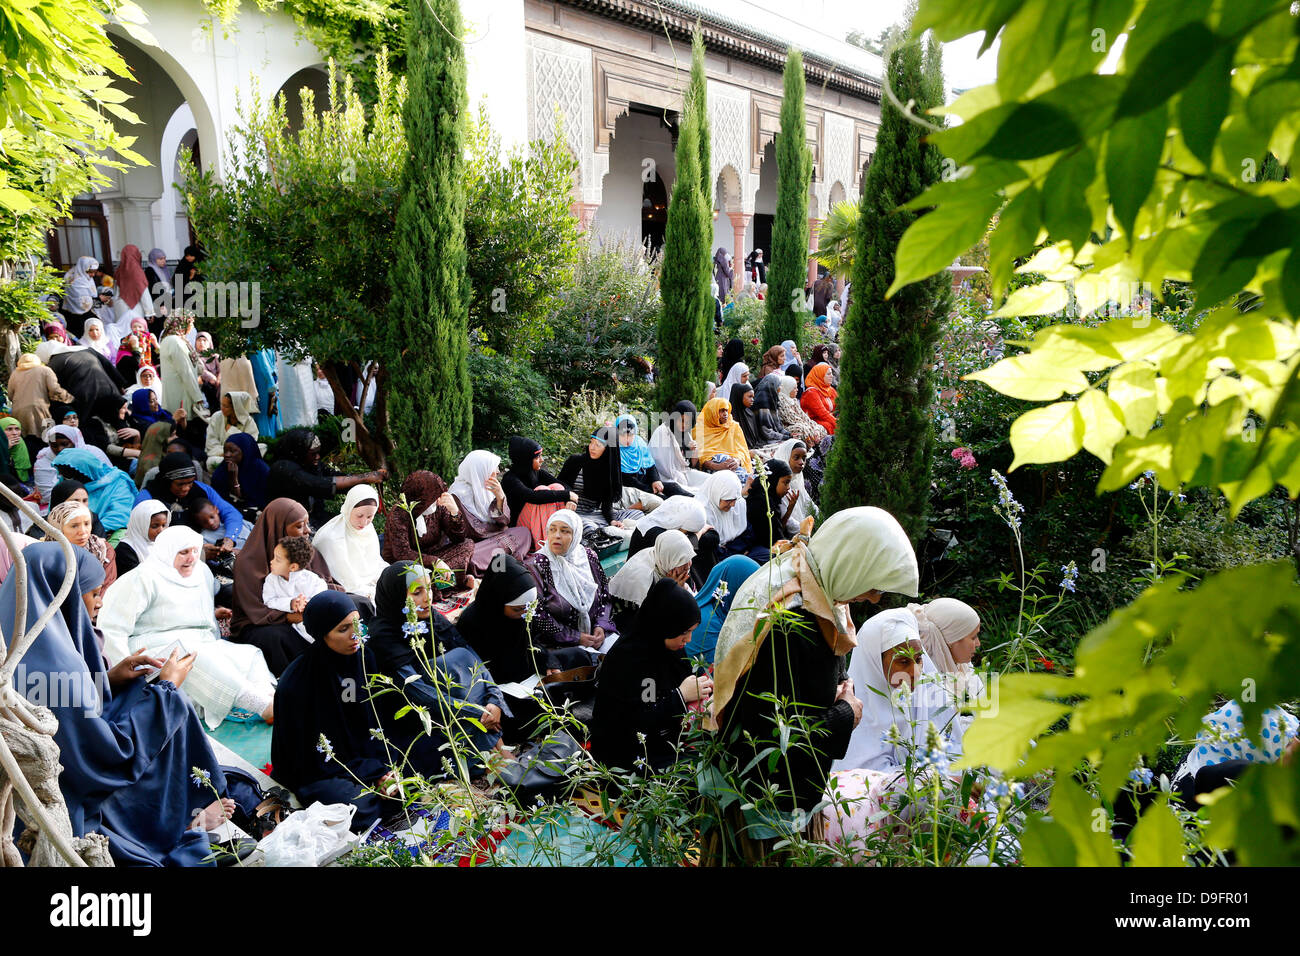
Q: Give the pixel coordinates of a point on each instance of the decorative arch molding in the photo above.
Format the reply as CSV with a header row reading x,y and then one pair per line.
x,y
623,80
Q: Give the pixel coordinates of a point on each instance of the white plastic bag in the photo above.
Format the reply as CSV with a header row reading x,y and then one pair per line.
x,y
309,837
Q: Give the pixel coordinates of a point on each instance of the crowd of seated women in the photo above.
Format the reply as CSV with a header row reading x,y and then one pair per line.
x,y
219,587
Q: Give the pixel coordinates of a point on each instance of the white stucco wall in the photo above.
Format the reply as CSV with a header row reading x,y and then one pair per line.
x,y
496,65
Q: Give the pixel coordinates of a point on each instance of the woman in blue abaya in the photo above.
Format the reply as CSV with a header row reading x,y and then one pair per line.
x,y
268,414
136,763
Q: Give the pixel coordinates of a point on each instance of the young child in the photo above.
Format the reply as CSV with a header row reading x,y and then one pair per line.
x,y
206,519
289,585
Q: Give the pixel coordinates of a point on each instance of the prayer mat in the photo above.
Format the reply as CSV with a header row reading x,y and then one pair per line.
x,y
251,740
561,836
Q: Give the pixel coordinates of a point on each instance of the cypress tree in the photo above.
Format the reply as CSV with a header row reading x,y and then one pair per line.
x,y
431,409
697,105
884,441
684,282
787,269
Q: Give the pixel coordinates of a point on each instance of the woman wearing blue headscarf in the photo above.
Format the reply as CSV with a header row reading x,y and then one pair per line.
x,y
640,474
134,755
111,490
714,599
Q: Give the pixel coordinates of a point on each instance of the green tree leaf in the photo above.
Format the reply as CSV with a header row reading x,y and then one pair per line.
x,y
1158,838
1047,434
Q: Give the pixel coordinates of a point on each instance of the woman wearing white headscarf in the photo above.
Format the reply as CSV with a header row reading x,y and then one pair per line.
x,y
676,514
574,608
885,662
97,339
166,604
57,438
148,520
80,295
482,502
796,655
797,501
738,374
350,545
670,557
949,632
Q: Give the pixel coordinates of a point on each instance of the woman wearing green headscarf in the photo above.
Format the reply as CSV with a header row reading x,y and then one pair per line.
x,y
783,640
19,457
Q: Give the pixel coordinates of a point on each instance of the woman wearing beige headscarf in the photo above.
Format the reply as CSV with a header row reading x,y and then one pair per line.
x,y
950,634
784,639
32,386
670,557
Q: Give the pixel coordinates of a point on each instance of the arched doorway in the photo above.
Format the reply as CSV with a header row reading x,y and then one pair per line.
x,y
636,190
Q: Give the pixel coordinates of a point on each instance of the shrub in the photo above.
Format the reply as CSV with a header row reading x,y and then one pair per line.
x,y
603,322
510,398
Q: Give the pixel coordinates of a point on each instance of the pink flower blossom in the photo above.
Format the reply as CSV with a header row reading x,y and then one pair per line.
x,y
964,457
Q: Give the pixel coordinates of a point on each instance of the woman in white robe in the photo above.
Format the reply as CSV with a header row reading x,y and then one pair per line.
x,y
166,603
180,375
349,544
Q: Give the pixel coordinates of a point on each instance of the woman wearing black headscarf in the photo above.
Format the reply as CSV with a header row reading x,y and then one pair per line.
x,y
646,684
597,478
528,483
322,747
444,676
103,427
494,626
767,512
756,423
732,352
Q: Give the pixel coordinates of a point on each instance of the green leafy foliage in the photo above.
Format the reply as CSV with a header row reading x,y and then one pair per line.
x,y
884,443
1149,174
510,398
64,84
787,271
602,326
427,333
516,273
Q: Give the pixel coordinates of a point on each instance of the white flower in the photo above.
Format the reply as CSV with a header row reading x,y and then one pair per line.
x,y
721,591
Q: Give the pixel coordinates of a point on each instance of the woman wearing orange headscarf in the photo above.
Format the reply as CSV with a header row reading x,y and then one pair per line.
x,y
719,439
819,397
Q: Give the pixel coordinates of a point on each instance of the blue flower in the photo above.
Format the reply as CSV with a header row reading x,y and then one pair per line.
x,y
997,789
412,629
201,778
1071,572
324,746
1141,776
1007,507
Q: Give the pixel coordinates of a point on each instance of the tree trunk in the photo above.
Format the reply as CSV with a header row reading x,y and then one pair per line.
x,y
375,449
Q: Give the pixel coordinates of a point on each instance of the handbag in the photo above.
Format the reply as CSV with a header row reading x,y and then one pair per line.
x,y
541,771
574,689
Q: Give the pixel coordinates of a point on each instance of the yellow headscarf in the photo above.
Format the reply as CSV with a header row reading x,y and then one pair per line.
x,y
713,438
